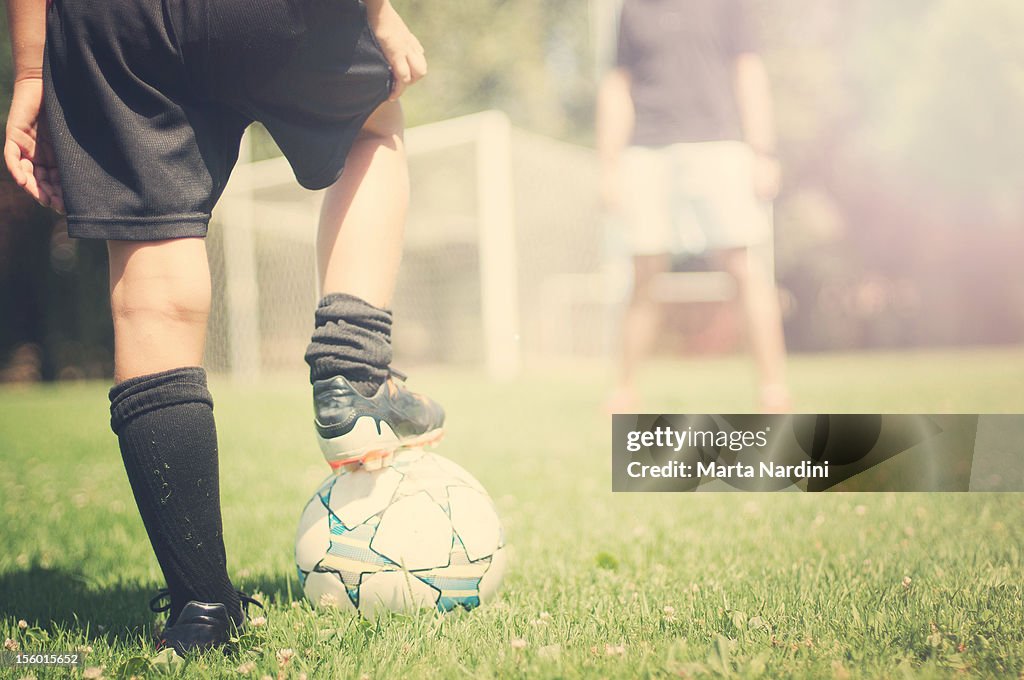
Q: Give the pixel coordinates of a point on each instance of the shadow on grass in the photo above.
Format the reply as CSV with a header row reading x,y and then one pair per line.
x,y
279,589
59,599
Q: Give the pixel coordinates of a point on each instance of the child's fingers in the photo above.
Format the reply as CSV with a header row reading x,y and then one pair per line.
x,y
52,190
24,141
417,65
30,185
45,191
407,69
403,76
57,201
12,158
47,179
53,177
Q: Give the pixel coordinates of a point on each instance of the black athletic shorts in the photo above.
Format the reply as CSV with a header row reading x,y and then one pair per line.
x,y
147,101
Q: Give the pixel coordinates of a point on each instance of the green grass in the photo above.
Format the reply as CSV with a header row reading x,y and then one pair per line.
x,y
758,585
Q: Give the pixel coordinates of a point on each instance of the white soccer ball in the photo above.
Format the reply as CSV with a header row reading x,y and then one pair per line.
x,y
422,533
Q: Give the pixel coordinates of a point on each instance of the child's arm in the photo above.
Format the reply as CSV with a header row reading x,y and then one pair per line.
x,y
27,22
27,149
403,51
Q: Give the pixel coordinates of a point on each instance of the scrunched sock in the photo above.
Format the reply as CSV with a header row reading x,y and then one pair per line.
x,y
352,339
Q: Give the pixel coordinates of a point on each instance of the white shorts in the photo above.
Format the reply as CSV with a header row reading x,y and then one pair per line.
x,y
691,198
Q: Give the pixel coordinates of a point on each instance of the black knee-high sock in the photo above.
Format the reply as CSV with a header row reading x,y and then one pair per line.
x,y
352,339
164,424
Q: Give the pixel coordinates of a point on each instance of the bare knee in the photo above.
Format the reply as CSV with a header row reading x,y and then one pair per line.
x,y
164,281
150,303
386,123
646,269
160,302
754,281
734,262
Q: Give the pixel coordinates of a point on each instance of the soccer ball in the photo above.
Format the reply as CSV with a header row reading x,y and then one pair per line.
x,y
422,533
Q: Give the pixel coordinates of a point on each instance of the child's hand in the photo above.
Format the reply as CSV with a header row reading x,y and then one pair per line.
x,y
401,48
27,150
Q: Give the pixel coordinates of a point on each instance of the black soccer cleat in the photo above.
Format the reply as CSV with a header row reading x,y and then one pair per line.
x,y
354,429
200,625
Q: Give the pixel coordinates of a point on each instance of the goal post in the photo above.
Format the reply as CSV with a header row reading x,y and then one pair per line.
x,y
262,252
490,132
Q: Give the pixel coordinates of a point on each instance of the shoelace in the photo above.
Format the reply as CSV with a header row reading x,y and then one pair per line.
x,y
165,594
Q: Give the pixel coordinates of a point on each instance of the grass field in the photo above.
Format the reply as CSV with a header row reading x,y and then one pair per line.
x,y
599,585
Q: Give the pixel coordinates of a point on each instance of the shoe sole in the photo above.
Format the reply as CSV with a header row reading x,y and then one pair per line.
x,y
375,456
196,636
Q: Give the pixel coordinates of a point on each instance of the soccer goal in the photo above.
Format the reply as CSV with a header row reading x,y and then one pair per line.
x,y
495,213
501,221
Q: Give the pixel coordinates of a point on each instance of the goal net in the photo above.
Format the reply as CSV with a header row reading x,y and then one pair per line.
x,y
503,259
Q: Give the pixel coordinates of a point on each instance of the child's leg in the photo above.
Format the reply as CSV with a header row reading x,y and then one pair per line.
x,y
160,300
359,248
359,244
162,412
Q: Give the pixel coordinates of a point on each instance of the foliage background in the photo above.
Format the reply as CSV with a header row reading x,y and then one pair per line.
x,y
900,133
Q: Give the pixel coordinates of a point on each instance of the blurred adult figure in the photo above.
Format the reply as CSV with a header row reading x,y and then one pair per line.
x,y
687,147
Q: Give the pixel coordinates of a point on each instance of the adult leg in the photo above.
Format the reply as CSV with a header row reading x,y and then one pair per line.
x,y
760,302
639,329
162,413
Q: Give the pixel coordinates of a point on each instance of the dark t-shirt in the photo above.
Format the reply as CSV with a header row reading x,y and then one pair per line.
x,y
681,56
